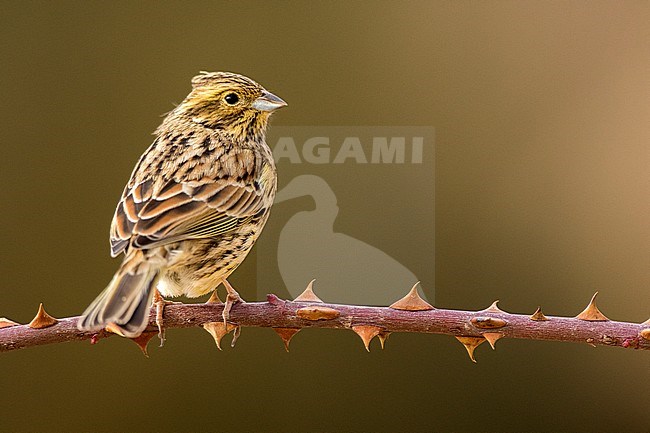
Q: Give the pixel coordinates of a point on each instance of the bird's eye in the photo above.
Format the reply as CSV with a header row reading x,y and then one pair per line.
x,y
231,98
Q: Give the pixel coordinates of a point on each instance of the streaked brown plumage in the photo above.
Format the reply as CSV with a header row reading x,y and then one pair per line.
x,y
195,204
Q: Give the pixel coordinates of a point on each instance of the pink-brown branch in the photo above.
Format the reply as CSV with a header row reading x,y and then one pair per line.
x,y
277,313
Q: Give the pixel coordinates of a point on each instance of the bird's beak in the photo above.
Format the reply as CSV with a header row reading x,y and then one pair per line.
x,y
268,102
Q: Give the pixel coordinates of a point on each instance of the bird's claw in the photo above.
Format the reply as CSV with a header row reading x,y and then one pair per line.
x,y
231,299
160,303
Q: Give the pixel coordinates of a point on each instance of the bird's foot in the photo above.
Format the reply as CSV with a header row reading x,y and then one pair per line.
x,y
160,303
232,297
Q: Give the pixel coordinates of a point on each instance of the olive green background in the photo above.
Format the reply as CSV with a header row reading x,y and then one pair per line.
x,y
541,114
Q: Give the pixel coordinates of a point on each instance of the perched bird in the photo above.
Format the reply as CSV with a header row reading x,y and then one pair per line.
x,y
195,204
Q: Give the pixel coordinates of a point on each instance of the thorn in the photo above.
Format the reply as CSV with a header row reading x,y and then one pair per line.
x,y
645,334
6,323
274,300
42,319
318,313
143,340
647,322
218,330
538,316
470,344
115,329
494,307
592,313
488,322
214,298
286,334
383,336
590,341
367,333
412,301
308,295
492,337
630,342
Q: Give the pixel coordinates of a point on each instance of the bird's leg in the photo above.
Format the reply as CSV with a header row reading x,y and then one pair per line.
x,y
231,298
159,302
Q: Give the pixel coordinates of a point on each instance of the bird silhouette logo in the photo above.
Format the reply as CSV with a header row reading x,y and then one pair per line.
x,y
346,269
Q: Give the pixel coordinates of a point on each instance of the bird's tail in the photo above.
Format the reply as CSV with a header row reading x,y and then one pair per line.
x,y
124,304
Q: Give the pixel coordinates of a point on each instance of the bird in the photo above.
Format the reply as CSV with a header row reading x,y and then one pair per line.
x,y
195,204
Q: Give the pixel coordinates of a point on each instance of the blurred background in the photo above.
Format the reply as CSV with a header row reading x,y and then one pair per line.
x,y
542,182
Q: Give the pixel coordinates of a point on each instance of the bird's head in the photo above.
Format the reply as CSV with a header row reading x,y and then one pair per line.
x,y
230,102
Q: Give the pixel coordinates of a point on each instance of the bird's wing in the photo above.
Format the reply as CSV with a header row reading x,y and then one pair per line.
x,y
147,217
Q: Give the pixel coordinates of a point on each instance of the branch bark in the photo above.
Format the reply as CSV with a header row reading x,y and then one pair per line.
x,y
492,323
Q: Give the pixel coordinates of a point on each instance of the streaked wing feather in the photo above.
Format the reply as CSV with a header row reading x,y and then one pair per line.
x,y
179,211
206,190
131,208
117,246
142,191
123,226
244,203
169,190
164,222
218,201
157,207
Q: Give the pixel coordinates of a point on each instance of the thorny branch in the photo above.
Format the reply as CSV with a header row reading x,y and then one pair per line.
x,y
409,314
